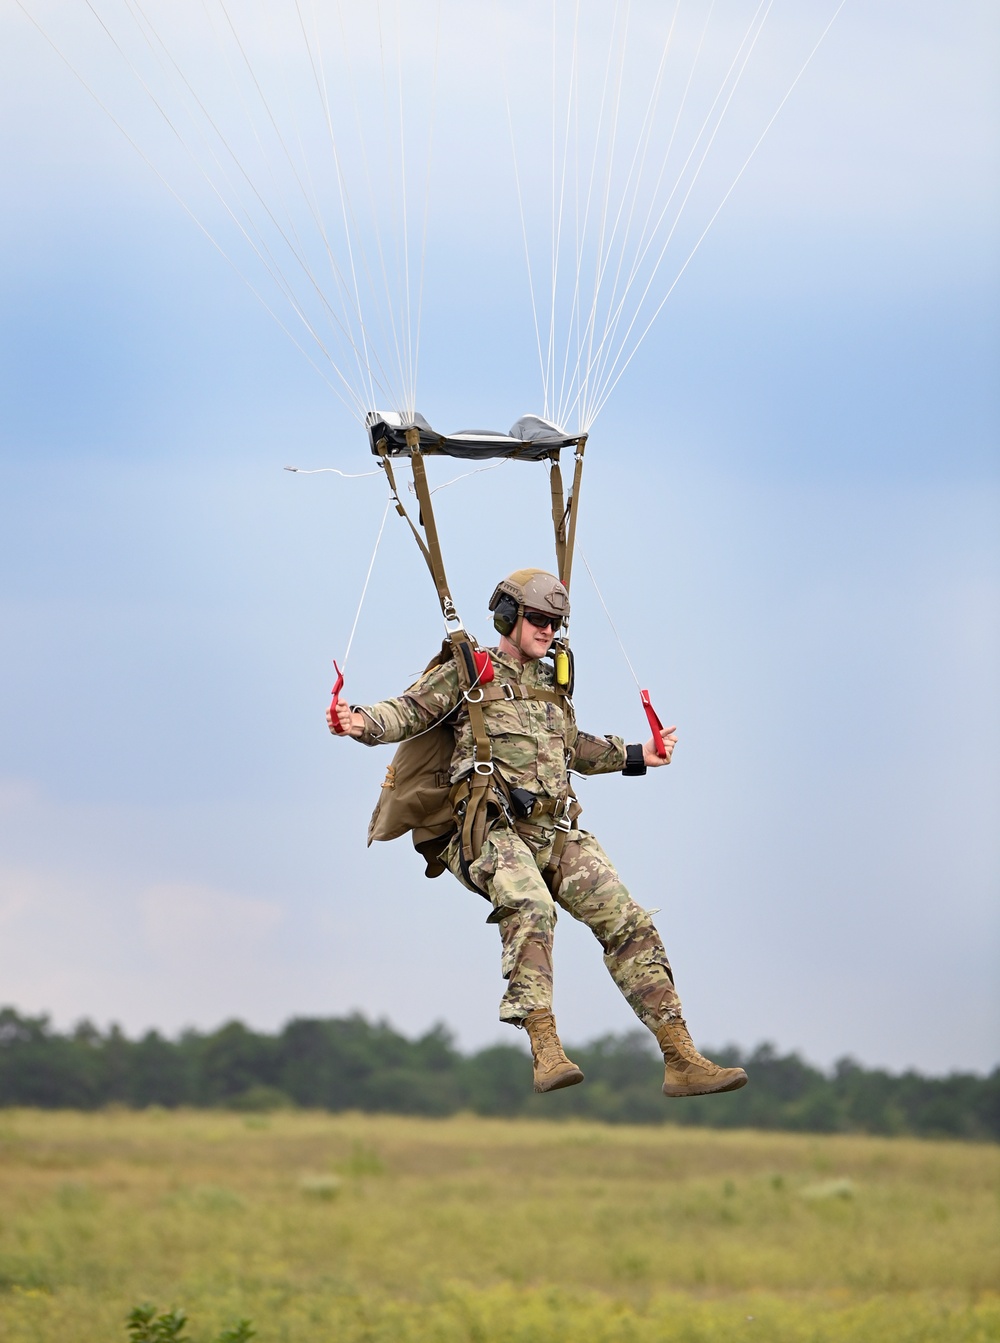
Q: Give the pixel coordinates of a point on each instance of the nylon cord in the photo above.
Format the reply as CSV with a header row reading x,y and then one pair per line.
x,y
612,384
611,622
364,590
609,352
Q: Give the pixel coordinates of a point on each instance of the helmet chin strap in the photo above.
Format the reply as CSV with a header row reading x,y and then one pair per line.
x,y
519,631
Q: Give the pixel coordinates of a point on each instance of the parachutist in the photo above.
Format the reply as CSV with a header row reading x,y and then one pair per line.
x,y
471,758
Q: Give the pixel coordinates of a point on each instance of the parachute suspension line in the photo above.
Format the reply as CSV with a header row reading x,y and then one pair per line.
x,y
317,65
580,390
392,337
581,401
364,590
350,313
504,461
611,328
501,47
299,249
614,627
610,146
330,470
645,231
353,232
612,383
398,321
610,349
351,308
427,196
247,228
567,400
406,357
546,408
553,395
633,181
652,718
388,384
575,313
257,243
351,401
582,224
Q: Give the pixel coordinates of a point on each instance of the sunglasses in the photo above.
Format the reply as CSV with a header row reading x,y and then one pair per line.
x,y
541,620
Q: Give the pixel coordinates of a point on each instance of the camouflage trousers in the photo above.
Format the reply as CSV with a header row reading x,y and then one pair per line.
x,y
509,870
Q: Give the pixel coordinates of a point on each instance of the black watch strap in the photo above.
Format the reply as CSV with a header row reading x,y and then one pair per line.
x,y
634,762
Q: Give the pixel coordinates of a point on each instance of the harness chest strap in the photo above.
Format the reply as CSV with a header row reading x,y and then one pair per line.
x,y
509,690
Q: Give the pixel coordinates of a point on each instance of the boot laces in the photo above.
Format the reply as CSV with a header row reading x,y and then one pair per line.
x,y
545,1042
684,1045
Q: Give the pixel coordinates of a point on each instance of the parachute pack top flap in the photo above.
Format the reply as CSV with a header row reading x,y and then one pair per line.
x,y
531,438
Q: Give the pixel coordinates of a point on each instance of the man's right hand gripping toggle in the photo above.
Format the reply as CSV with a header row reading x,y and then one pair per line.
x,y
339,718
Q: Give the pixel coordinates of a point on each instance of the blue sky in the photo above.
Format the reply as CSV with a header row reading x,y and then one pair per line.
x,y
790,505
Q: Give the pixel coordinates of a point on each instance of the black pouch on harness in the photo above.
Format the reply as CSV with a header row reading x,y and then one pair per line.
x,y
522,803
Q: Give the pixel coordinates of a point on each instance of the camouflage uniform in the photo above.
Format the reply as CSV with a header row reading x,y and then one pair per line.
x,y
535,743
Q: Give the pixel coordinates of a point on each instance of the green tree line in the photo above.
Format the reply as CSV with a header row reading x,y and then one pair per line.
x,y
352,1064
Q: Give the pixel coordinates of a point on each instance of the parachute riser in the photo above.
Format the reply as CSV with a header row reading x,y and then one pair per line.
x,y
564,519
564,512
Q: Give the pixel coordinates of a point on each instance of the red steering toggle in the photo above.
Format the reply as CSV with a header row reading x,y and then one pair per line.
x,y
655,725
338,686
484,666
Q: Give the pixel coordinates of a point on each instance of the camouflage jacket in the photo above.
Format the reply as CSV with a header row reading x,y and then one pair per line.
x,y
535,742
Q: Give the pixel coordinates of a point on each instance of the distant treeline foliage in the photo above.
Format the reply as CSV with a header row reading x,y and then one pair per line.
x,y
351,1064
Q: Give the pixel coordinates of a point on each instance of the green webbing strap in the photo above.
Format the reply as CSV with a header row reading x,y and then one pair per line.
x,y
387,467
432,551
558,514
566,572
481,779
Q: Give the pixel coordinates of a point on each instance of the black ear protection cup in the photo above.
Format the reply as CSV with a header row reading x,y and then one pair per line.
x,y
505,613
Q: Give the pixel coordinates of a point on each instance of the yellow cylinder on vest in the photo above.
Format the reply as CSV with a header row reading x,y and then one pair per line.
x,y
562,668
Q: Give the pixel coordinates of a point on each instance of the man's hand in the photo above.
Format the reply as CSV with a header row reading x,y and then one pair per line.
x,y
649,748
351,724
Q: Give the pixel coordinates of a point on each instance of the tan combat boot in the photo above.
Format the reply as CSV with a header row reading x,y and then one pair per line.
x,y
553,1070
687,1072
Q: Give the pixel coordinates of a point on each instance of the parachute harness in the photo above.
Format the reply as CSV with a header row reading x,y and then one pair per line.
x,y
474,668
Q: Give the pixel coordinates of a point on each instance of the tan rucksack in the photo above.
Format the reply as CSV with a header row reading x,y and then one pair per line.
x,y
415,796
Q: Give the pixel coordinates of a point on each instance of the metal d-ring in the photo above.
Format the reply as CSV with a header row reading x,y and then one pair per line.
x,y
475,695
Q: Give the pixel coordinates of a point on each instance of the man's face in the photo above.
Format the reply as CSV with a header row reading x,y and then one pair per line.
x,y
535,642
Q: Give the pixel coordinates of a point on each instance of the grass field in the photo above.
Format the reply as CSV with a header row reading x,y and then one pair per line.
x,y
466,1230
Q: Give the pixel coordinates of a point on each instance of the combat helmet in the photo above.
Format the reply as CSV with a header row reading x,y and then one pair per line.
x,y
531,589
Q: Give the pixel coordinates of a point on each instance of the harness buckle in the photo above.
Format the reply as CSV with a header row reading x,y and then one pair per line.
x,y
508,691
473,696
561,819
483,766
